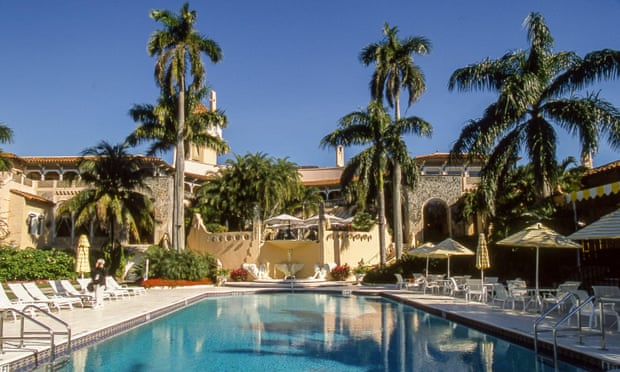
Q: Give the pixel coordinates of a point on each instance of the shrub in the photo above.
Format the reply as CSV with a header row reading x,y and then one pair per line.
x,y
341,272
185,265
239,275
362,221
35,264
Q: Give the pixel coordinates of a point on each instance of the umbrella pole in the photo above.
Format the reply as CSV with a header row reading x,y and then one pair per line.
x,y
448,266
482,275
537,286
427,266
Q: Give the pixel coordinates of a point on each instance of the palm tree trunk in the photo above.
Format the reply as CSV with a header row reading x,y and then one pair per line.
x,y
178,220
396,200
381,210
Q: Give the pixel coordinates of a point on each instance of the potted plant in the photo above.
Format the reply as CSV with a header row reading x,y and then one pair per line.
x,y
359,272
221,276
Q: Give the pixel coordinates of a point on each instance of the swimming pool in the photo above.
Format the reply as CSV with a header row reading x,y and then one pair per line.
x,y
304,332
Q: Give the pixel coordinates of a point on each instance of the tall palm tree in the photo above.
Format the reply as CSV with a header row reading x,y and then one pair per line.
x,y
396,70
375,128
176,46
116,201
6,136
158,125
536,89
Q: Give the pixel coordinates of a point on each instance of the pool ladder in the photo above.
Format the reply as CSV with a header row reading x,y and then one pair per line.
x,y
47,332
566,318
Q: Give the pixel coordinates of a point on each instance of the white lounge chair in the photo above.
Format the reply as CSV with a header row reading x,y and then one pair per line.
x,y
8,305
113,284
64,288
24,297
57,302
107,294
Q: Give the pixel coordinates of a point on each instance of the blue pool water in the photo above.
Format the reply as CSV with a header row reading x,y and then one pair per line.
x,y
304,332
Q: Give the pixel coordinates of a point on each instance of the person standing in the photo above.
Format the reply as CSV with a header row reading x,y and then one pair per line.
x,y
98,279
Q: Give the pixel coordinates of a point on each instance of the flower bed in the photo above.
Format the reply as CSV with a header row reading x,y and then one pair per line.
x,y
156,282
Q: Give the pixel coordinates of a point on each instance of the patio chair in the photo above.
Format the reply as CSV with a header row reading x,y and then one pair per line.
x,y
500,294
11,306
561,291
402,283
517,289
608,308
475,289
429,283
457,288
113,284
592,309
57,302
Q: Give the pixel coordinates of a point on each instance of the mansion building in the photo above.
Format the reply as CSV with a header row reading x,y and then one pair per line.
x,y
36,186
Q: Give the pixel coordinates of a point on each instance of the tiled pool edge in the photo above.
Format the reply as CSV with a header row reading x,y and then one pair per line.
x,y
566,354
42,357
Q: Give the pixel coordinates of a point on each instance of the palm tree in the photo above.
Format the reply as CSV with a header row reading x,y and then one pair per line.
x,y
375,128
395,70
158,125
536,89
176,46
116,200
250,181
6,136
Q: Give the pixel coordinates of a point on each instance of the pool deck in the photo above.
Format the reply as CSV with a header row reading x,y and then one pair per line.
x,y
89,326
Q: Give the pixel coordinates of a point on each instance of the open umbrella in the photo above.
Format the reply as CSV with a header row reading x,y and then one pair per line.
x,y
482,256
450,247
284,219
82,264
425,250
607,227
538,236
444,249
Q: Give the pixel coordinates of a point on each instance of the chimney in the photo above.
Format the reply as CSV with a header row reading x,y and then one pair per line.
x,y
212,101
340,156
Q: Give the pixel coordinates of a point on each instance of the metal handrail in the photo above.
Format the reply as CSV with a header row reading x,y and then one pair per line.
x,y
576,310
36,335
565,298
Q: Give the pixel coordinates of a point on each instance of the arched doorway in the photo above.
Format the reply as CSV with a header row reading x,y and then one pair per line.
x,y
436,221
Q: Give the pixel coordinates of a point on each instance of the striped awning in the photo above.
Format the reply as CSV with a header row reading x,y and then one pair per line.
x,y
607,227
593,192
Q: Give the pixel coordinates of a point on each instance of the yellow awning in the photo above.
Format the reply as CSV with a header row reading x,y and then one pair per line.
x,y
593,192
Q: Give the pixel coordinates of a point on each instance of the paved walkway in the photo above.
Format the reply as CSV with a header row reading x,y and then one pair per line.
x,y
89,326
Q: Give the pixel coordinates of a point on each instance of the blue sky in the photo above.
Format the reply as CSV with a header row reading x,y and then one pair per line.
x,y
70,70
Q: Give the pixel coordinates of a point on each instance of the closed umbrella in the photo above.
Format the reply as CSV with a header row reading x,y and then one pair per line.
x,y
482,256
82,263
538,236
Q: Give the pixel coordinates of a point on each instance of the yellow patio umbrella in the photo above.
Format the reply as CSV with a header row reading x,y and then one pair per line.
x,y
82,263
482,256
538,236
425,250
450,247
444,249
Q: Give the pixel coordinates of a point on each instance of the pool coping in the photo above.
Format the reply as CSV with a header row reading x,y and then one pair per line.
x,y
42,357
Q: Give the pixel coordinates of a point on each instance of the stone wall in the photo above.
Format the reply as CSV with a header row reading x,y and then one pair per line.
x,y
445,188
